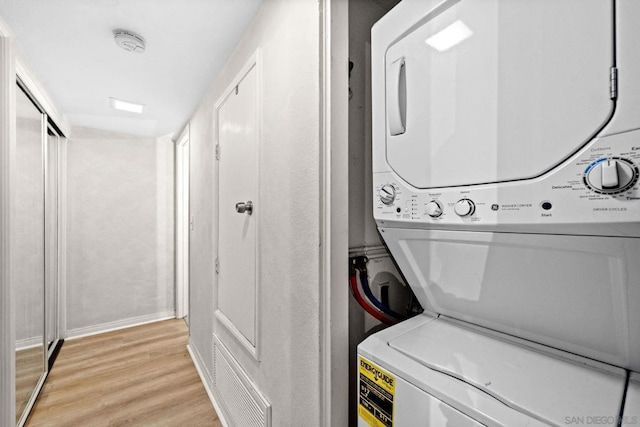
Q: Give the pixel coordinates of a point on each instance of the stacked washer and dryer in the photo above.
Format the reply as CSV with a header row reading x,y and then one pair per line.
x,y
506,153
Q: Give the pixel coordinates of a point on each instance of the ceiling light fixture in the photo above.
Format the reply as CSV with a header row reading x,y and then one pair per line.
x,y
130,107
129,41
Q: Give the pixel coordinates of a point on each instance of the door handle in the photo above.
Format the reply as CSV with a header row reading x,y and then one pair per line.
x,y
397,97
242,207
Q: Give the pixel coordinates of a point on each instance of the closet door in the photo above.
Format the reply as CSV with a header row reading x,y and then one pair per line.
x,y
51,239
28,247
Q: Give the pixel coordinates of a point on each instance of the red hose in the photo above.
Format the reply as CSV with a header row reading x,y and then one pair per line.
x,y
356,293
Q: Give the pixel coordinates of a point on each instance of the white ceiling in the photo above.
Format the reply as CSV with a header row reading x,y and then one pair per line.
x,y
69,46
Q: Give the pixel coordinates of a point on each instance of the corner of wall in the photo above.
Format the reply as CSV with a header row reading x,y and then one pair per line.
x,y
7,316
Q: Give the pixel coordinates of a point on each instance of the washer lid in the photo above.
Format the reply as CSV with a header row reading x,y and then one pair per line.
x,y
545,387
491,91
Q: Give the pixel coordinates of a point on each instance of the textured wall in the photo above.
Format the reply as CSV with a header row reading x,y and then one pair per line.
x,y
362,228
287,34
120,230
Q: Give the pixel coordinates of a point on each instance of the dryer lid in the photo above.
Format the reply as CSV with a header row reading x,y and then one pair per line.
x,y
492,91
540,385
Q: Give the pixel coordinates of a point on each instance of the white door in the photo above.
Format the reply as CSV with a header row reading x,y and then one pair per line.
x,y
186,214
182,229
238,209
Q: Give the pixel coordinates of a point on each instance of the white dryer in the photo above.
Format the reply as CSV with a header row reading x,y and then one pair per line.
x,y
506,155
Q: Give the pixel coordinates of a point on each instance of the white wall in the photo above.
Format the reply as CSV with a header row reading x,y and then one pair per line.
x,y
119,230
287,34
362,228
7,153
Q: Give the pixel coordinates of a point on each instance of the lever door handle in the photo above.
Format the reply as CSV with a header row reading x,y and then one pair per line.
x,y
242,207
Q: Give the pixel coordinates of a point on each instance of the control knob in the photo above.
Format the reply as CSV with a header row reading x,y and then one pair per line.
x,y
611,176
387,194
464,207
434,209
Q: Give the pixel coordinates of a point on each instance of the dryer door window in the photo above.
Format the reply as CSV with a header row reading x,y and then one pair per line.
x,y
492,91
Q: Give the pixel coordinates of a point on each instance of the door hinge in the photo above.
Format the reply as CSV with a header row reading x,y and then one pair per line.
x,y
613,83
217,266
218,152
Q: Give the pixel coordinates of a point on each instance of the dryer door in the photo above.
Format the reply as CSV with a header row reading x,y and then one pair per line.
x,y
492,91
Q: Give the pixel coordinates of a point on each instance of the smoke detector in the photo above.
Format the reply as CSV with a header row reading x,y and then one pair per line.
x,y
128,40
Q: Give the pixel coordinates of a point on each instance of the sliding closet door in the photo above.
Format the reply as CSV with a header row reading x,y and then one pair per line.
x,y
28,278
51,240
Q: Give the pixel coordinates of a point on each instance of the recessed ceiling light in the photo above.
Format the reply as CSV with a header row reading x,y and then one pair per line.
x,y
449,37
131,107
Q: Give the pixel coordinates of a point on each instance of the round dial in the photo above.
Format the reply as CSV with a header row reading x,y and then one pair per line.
x,y
464,207
434,209
611,176
387,194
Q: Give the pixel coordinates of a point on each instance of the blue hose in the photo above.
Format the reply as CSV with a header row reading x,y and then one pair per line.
x,y
367,291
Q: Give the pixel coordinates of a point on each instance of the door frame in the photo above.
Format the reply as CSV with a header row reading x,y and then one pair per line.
x,y
182,224
219,317
7,150
334,213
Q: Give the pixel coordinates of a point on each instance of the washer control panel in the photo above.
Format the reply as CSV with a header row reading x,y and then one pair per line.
x,y
597,189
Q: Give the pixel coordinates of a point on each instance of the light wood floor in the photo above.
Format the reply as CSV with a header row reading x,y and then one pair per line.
x,y
140,376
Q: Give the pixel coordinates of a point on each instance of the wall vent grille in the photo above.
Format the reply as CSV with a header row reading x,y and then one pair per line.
x,y
242,403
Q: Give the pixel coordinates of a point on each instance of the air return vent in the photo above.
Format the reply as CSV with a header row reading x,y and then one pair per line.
x,y
128,40
241,402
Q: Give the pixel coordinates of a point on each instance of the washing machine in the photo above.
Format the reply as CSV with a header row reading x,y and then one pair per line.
x,y
506,155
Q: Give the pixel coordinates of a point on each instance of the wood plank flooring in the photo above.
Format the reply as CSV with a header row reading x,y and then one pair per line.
x,y
140,376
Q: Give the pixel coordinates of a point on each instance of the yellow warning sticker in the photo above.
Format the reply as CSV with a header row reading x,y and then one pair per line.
x,y
375,396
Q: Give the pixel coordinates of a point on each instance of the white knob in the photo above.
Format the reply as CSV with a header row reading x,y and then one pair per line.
x,y
464,207
611,175
387,194
434,209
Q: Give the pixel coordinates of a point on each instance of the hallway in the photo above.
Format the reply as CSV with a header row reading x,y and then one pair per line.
x,y
140,376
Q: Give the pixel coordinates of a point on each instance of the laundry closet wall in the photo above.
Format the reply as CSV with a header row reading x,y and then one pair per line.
x,y
120,231
287,35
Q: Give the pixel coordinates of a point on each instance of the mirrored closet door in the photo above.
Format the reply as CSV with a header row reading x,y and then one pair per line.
x,y
29,249
52,232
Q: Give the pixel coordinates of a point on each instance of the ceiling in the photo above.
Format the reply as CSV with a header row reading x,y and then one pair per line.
x,y
69,46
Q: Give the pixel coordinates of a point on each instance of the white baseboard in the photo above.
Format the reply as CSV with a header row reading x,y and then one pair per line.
x,y
206,380
118,324
28,343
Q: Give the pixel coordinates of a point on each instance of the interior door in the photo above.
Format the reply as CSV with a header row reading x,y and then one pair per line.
x,y
51,240
182,229
238,209
28,257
